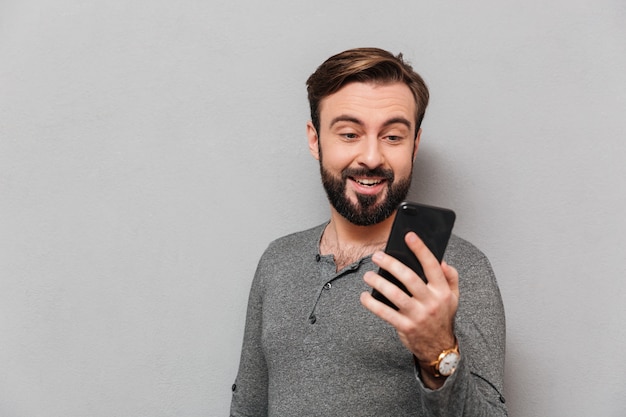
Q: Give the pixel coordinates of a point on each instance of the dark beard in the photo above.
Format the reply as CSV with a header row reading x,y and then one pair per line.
x,y
365,212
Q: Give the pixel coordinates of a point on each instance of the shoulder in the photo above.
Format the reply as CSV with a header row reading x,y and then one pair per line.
x,y
287,256
474,268
306,238
461,252
480,294
294,246
302,241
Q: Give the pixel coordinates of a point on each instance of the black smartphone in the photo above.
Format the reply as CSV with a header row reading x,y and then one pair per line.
x,y
432,224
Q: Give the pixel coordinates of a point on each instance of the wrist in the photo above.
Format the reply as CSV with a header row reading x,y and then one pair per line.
x,y
444,363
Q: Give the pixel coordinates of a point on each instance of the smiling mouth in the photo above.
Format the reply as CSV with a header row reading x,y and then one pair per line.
x,y
367,182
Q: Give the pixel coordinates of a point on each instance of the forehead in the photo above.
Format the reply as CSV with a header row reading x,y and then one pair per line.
x,y
371,102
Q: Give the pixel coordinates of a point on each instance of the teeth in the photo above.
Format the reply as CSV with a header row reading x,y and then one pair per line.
x,y
368,181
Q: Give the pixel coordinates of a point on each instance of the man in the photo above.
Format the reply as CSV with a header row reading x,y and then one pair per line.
x,y
316,342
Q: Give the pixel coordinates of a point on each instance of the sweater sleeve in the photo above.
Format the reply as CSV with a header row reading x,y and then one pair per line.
x,y
475,389
249,392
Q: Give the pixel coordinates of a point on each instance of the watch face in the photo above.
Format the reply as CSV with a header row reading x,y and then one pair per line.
x,y
449,363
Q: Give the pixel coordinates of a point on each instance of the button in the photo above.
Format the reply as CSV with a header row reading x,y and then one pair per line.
x,y
234,387
312,319
317,257
328,286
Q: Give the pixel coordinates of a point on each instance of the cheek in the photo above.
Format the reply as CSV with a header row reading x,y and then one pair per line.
x,y
402,165
335,158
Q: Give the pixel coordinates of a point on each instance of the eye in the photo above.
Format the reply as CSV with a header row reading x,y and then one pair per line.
x,y
393,138
349,135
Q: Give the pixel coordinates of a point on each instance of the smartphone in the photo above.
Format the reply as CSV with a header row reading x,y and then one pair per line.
x,y
432,224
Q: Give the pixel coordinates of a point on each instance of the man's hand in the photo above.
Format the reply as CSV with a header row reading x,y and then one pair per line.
x,y
425,321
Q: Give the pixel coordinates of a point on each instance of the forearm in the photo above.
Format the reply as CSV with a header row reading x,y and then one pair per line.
x,y
464,393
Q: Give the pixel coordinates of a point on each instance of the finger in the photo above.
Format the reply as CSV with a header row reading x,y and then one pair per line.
x,y
430,264
403,273
383,311
388,289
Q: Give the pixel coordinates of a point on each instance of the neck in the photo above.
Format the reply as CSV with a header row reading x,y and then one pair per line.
x,y
348,242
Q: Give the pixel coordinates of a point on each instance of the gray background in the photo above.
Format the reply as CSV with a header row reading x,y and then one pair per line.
x,y
150,150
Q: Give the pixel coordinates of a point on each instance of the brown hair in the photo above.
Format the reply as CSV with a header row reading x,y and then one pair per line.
x,y
364,65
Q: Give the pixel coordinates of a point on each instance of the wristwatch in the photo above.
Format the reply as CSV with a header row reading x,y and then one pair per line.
x,y
446,363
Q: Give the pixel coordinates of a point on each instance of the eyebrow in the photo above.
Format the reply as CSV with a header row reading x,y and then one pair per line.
x,y
352,119
345,118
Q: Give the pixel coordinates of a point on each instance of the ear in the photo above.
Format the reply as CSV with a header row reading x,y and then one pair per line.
x,y
417,143
313,138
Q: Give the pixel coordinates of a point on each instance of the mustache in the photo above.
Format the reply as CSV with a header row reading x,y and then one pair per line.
x,y
378,172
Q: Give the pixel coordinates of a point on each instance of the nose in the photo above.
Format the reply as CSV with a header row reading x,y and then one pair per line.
x,y
370,154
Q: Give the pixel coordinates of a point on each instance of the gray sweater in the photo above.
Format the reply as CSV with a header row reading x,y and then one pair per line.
x,y
311,349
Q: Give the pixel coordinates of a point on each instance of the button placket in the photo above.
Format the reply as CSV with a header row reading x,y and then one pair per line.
x,y
326,269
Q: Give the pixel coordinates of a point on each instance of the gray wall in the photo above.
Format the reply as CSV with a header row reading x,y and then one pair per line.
x,y
149,151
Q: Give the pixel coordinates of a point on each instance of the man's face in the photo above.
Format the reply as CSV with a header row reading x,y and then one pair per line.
x,y
366,148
